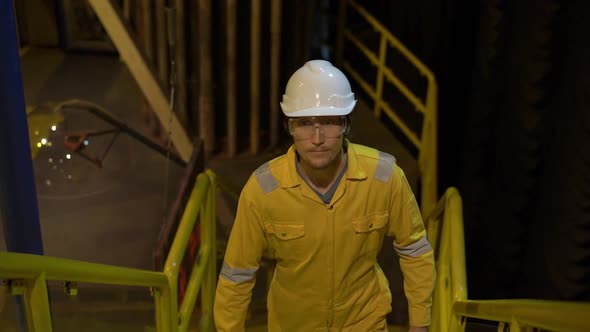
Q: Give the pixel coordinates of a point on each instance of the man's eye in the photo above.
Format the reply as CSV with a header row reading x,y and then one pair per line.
x,y
332,122
305,123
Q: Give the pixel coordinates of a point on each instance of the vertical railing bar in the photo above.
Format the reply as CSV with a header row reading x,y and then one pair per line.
x,y
180,60
232,125
194,287
427,158
255,76
379,83
445,263
37,302
158,310
173,261
206,101
168,300
162,50
275,66
148,32
342,8
458,283
210,277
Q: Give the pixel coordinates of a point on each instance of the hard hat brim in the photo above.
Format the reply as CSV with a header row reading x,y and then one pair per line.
x,y
320,111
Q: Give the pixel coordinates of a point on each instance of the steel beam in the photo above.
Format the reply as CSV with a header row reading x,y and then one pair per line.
x,y
139,68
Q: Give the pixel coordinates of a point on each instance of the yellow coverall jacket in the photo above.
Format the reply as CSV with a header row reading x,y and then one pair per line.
x,y
326,276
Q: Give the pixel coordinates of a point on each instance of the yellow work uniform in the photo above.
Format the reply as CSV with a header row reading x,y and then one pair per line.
x,y
326,276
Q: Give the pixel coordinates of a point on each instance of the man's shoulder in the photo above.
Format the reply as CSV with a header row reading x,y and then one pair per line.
x,y
276,164
267,175
383,163
363,151
371,154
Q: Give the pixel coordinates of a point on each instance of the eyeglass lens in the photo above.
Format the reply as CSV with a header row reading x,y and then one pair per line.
x,y
329,126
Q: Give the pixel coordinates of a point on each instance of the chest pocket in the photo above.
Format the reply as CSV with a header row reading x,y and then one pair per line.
x,y
285,240
369,232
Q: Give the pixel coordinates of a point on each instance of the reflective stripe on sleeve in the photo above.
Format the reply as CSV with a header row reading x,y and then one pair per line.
x,y
415,249
385,167
265,178
237,275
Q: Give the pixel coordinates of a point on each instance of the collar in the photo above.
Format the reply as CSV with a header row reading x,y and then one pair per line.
x,y
355,170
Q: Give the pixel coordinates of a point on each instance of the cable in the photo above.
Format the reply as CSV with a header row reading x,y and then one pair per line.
x,y
171,27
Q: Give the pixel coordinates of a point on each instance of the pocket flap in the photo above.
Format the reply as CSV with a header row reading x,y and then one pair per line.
x,y
370,223
285,231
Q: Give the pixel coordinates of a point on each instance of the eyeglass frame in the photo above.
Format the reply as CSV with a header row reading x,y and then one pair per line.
x,y
345,128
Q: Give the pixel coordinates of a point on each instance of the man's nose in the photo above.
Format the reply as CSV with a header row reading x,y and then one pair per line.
x,y
318,136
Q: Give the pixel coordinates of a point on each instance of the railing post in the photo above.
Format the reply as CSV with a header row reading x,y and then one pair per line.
x,y
255,76
163,300
208,237
37,304
427,161
441,309
206,110
275,68
453,219
342,7
231,87
379,83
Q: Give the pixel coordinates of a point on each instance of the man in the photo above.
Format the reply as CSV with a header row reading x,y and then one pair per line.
x,y
321,212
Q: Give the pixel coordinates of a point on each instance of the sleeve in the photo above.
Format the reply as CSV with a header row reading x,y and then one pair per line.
x,y
415,253
238,273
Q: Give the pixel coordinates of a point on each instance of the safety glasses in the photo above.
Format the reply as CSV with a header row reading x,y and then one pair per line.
x,y
328,126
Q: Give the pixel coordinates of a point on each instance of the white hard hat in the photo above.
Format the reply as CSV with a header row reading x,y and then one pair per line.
x,y
318,89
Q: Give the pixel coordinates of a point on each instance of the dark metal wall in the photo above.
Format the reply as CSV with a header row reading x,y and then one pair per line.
x,y
513,124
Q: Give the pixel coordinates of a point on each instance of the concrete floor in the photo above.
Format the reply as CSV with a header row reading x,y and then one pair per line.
x,y
112,215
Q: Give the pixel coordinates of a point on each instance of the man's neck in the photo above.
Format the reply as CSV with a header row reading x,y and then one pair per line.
x,y
323,179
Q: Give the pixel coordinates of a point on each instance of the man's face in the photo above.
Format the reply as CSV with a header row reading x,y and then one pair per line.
x,y
318,140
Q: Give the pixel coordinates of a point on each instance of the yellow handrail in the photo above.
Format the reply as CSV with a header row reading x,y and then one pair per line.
x,y
426,141
520,314
445,233
27,274
451,306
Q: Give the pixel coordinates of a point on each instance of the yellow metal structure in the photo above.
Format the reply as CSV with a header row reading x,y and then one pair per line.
x,y
27,274
426,141
444,219
445,233
451,306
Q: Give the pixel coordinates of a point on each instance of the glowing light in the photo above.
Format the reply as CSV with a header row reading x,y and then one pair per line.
x,y
85,142
43,141
53,128
39,144
49,144
68,156
36,132
50,160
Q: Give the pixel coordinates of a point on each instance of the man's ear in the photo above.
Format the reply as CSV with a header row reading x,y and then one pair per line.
x,y
348,126
286,124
